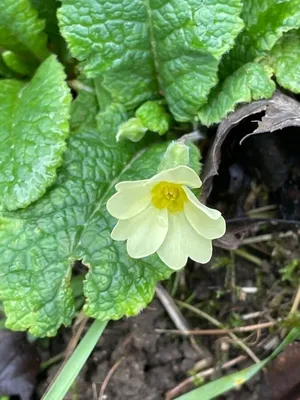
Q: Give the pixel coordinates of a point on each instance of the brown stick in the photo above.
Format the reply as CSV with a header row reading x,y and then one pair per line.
x,y
108,377
296,302
240,329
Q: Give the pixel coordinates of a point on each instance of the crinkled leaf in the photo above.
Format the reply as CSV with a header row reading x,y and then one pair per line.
x,y
154,117
33,128
145,48
114,115
265,23
21,30
39,244
280,112
250,82
285,60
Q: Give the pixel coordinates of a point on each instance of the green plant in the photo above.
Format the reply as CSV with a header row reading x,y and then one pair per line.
x,y
139,68
158,63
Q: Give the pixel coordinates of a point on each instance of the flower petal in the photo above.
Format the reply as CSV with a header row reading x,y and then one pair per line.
x,y
182,175
183,241
127,203
210,212
203,224
150,230
121,186
125,228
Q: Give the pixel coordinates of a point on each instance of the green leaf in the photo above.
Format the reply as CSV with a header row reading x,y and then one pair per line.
x,y
285,60
144,48
150,116
40,243
133,130
114,115
5,72
250,82
215,388
33,129
21,30
66,377
265,23
18,64
154,117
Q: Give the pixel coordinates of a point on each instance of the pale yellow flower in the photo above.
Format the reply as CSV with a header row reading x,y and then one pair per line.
x,y
163,215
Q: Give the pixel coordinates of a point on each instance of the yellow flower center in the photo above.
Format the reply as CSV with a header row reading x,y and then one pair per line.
x,y
168,195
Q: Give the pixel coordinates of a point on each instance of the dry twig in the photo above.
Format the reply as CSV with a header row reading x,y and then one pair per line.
x,y
181,324
296,302
215,322
240,329
108,377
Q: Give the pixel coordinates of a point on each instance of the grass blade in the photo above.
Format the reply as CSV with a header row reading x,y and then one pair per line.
x,y
60,386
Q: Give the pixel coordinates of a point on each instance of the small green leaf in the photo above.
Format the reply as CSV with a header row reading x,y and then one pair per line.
x,y
154,117
40,243
5,72
18,64
133,130
250,82
33,129
145,48
150,116
285,60
265,23
21,30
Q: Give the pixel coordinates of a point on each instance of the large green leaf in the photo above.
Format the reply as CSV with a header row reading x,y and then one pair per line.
x,y
285,60
144,48
39,244
33,129
265,23
250,82
21,30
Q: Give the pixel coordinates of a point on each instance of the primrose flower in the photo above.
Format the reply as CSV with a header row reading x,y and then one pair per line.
x,y
163,215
